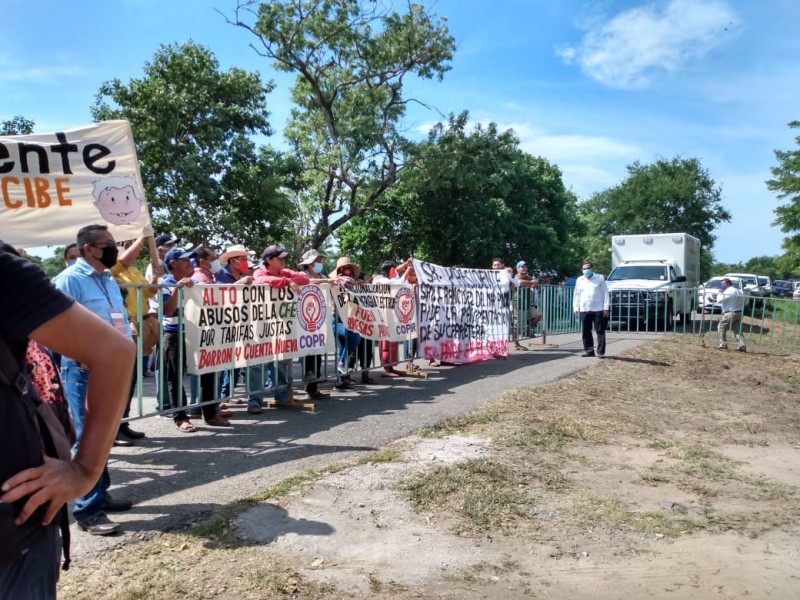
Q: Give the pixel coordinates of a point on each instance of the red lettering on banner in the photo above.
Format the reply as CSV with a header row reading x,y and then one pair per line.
x,y
364,315
359,327
214,358
209,297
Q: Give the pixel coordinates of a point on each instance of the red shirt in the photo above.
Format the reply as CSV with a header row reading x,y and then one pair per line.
x,y
287,276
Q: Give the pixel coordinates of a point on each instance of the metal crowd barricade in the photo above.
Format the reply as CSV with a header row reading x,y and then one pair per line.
x,y
151,397
771,324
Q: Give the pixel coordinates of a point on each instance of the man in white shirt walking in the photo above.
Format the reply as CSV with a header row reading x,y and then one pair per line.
x,y
591,303
732,307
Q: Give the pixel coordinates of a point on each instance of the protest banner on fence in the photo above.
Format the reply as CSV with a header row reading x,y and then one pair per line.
x,y
53,184
244,325
464,314
382,312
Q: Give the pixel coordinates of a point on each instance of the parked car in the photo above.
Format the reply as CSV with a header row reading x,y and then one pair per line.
x,y
750,282
782,288
709,295
796,294
766,285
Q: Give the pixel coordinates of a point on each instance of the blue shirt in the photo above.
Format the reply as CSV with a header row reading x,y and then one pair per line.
x,y
98,292
170,321
224,275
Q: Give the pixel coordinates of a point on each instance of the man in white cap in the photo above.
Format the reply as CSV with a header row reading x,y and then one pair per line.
x,y
313,265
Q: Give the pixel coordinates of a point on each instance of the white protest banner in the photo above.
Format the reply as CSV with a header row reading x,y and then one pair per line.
x,y
231,326
464,314
382,312
53,184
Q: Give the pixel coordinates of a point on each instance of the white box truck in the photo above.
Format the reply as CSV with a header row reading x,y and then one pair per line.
x,y
653,278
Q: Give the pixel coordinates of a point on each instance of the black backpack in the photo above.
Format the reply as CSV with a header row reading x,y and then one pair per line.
x,y
28,428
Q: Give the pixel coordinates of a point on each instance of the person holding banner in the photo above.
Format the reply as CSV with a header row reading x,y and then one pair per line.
x,y
390,273
206,266
273,273
346,273
313,265
179,270
234,269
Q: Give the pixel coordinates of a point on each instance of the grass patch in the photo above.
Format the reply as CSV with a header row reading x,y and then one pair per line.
x,y
591,510
553,436
384,455
482,492
459,425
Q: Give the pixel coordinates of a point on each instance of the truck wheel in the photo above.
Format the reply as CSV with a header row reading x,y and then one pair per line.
x,y
670,317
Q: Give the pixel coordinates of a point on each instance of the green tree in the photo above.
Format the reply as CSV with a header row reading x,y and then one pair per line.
x,y
786,184
192,123
466,197
351,59
17,125
676,195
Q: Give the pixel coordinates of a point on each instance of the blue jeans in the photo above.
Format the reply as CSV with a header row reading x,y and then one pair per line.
x,y
348,346
254,381
227,383
76,381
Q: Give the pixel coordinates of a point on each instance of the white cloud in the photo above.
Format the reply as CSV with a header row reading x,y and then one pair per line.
x,y
47,74
628,50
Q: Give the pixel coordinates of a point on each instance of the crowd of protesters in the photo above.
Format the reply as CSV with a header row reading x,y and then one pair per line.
x,y
102,275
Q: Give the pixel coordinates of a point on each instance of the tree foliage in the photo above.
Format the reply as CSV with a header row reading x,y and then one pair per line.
x,y
17,125
469,196
203,176
786,184
676,195
351,59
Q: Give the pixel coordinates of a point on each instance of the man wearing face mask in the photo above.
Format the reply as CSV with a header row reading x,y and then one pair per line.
x,y
591,303
235,269
207,266
90,283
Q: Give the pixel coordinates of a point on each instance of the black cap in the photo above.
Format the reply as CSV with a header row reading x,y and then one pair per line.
x,y
274,251
164,239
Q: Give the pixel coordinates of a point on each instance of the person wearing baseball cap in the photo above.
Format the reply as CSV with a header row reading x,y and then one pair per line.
x,y
179,275
164,243
273,272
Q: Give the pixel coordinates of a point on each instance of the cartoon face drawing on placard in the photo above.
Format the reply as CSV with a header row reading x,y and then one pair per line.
x,y
118,199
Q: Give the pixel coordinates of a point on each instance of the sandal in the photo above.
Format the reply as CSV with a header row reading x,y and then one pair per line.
x,y
218,421
391,373
186,427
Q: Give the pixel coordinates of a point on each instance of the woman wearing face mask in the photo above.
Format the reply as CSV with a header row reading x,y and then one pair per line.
x,y
313,265
71,255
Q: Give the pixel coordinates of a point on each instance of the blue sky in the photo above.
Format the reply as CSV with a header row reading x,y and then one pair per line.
x,y
591,86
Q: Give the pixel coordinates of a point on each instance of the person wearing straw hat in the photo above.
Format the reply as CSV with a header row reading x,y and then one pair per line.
x,y
345,274
236,268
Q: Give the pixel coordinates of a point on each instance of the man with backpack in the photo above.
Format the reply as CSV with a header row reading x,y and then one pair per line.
x,y
89,281
34,486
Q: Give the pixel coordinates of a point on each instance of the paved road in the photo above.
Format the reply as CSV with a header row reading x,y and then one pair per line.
x,y
177,479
